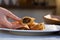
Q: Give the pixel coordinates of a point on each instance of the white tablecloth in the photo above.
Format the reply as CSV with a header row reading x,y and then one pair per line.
x,y
7,36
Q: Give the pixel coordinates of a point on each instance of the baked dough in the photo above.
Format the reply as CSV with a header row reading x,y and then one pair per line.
x,y
30,24
30,21
39,26
27,20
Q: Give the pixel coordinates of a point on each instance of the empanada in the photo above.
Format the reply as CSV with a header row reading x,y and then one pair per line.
x,y
39,26
27,20
29,23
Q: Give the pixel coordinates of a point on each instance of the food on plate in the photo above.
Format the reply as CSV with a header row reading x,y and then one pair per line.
x,y
28,24
30,21
39,26
32,24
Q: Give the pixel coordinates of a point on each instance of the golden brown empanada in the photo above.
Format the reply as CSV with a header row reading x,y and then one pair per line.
x,y
29,23
27,20
39,26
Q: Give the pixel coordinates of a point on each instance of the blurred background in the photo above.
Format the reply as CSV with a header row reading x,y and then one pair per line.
x,y
32,4
33,8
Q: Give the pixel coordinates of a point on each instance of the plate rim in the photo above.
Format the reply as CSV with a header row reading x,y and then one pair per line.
x,y
13,30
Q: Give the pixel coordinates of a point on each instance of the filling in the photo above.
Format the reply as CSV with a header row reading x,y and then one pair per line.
x,y
26,20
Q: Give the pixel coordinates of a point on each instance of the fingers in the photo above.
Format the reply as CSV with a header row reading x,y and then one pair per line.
x,y
8,13
13,16
4,22
18,25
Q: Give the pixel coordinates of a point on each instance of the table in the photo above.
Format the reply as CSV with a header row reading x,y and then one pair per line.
x,y
8,36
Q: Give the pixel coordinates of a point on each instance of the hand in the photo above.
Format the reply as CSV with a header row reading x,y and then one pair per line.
x,y
4,13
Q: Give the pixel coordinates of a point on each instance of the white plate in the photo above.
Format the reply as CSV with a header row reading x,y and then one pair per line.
x,y
49,29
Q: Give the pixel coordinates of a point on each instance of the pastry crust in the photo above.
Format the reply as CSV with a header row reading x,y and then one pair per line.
x,y
39,26
30,24
27,20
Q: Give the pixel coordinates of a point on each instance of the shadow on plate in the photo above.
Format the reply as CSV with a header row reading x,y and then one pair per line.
x,y
30,33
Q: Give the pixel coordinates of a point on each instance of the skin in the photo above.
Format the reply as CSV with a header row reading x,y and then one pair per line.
x,y
4,14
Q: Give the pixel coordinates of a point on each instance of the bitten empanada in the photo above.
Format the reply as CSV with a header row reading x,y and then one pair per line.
x,y
27,20
29,24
